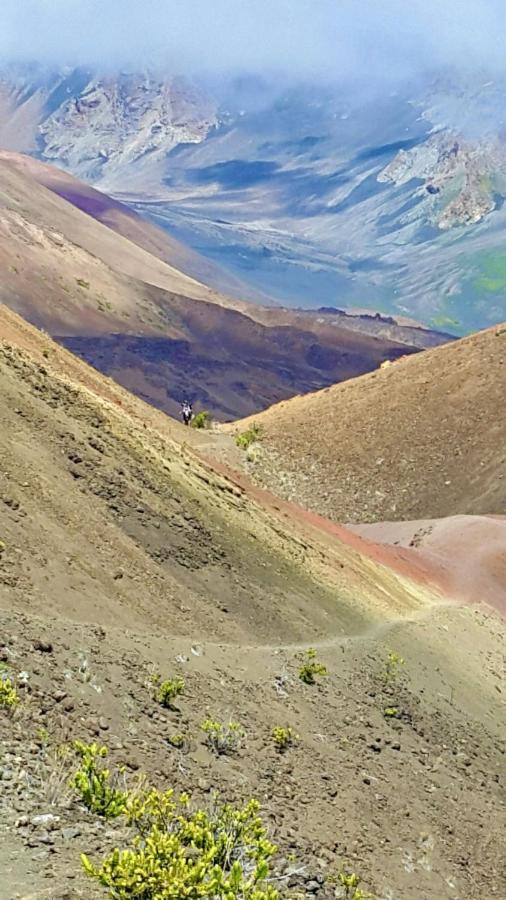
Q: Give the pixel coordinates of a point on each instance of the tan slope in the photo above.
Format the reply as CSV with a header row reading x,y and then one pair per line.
x,y
123,555
125,222
424,437
103,478
29,179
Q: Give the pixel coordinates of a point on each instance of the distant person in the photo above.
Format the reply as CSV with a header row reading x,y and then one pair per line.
x,y
186,412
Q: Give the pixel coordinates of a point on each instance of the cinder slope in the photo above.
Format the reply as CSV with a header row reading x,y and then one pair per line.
x,y
37,191
471,549
422,438
123,555
101,482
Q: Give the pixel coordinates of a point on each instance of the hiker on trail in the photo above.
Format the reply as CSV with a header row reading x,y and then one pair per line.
x,y
186,412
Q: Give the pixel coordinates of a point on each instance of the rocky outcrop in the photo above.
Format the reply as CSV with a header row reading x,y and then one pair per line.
x,y
458,177
104,129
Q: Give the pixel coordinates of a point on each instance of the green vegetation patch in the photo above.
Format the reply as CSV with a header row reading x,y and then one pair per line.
x,y
492,269
246,438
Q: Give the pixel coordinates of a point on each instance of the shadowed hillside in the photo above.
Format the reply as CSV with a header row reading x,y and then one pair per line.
x,y
110,294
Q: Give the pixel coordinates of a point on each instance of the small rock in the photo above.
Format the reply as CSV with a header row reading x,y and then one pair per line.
x,y
47,820
43,646
102,724
70,833
46,838
58,696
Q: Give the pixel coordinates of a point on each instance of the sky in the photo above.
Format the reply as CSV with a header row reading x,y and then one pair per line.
x,y
324,39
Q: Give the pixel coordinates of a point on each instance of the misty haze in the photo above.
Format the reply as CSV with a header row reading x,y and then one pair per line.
x,y
320,157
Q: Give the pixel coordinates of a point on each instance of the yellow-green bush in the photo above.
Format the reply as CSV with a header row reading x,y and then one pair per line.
x,y
201,419
223,738
177,853
248,437
8,693
169,690
95,785
392,666
283,738
310,667
350,886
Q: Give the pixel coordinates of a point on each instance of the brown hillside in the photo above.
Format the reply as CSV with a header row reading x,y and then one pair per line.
x,y
157,331
150,238
422,438
123,555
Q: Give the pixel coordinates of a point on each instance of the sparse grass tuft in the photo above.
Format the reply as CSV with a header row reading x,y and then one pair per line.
x,y
82,283
310,667
223,738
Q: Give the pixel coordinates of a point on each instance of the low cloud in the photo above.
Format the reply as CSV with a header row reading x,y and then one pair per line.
x,y
305,39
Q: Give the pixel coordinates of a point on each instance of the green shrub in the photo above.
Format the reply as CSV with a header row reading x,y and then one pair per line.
x,y
8,694
391,712
201,420
169,690
94,783
223,739
311,667
246,438
283,738
177,741
176,853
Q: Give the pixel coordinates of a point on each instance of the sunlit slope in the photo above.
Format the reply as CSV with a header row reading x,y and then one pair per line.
x,y
423,437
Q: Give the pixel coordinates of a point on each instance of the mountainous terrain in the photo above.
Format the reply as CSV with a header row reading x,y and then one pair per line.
x,y
313,195
123,555
186,626
424,437
112,288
